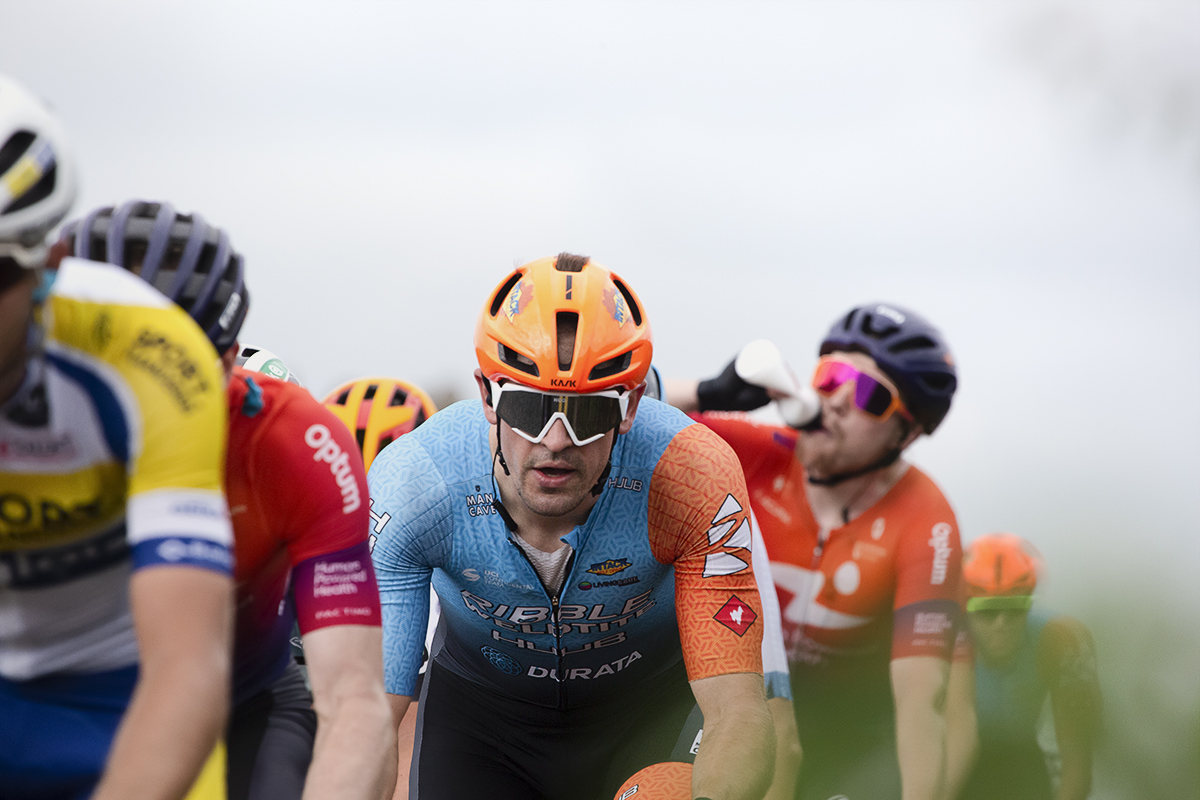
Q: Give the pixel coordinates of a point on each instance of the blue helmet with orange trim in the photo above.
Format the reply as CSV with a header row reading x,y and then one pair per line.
x,y
908,349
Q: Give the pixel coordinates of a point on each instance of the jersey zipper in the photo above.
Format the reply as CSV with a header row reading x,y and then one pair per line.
x,y
819,550
555,619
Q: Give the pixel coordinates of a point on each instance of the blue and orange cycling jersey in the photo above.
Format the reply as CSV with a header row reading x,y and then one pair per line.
x,y
661,569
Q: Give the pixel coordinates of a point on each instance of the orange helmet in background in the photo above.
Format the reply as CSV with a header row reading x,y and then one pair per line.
x,y
1000,571
564,324
378,411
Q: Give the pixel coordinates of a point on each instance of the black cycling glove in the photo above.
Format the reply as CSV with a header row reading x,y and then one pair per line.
x,y
728,392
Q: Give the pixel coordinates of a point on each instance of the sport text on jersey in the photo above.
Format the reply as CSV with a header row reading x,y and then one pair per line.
x,y
327,450
171,364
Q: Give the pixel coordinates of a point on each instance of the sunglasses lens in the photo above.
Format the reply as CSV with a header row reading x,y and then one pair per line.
x,y
830,375
593,416
871,396
587,416
522,411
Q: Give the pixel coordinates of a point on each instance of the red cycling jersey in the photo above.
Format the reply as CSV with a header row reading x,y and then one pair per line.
x,y
297,495
884,583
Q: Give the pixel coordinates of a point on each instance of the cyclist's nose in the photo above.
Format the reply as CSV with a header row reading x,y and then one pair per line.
x,y
557,439
841,399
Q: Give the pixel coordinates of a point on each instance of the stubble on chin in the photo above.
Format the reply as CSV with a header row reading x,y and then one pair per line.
x,y
551,502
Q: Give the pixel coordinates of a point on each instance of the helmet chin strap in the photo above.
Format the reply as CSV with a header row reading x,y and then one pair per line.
x,y
883,462
599,487
497,504
886,460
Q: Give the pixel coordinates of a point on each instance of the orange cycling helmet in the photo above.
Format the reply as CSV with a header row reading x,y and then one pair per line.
x,y
1000,571
564,324
378,411
667,780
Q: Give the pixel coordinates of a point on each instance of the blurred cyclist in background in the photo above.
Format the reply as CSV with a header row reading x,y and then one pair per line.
x,y
1021,658
253,358
297,496
377,411
592,559
116,601
864,550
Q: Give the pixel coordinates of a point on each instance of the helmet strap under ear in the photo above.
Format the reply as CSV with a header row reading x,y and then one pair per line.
x,y
599,487
499,454
497,504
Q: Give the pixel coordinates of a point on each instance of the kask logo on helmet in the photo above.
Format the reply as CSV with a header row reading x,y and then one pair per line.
x,y
321,440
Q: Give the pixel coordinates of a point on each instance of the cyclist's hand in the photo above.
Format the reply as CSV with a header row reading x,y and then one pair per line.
x,y
729,392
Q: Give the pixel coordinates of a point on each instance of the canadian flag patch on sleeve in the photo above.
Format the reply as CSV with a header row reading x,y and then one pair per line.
x,y
736,615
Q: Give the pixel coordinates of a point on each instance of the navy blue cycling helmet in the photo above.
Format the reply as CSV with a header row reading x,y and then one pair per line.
x,y
908,349
181,255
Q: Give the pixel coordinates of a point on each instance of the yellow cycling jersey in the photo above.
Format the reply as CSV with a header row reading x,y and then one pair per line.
x,y
111,459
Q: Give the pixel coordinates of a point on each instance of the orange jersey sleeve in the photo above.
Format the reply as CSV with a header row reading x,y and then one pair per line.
x,y
699,521
928,568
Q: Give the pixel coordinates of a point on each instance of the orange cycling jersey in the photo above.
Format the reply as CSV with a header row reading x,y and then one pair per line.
x,y
298,499
882,586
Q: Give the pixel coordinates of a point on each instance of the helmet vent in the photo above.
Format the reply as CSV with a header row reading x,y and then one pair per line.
x,y
343,398
611,367
566,262
568,324
913,343
14,148
498,300
40,191
369,394
939,381
399,397
634,308
517,361
868,327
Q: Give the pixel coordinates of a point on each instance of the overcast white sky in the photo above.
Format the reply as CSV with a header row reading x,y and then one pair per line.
x,y
1026,175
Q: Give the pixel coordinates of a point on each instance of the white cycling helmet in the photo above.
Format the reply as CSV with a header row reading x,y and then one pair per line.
x,y
257,359
37,175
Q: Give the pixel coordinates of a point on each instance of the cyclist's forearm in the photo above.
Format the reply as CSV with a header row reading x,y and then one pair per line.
x,y
787,750
146,763
1076,776
921,749
183,618
736,757
918,687
355,753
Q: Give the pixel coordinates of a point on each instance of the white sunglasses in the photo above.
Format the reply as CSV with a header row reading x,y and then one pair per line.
x,y
587,417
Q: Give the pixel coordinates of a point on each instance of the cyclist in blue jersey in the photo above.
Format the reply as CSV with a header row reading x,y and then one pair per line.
x,y
591,552
1022,658
115,592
